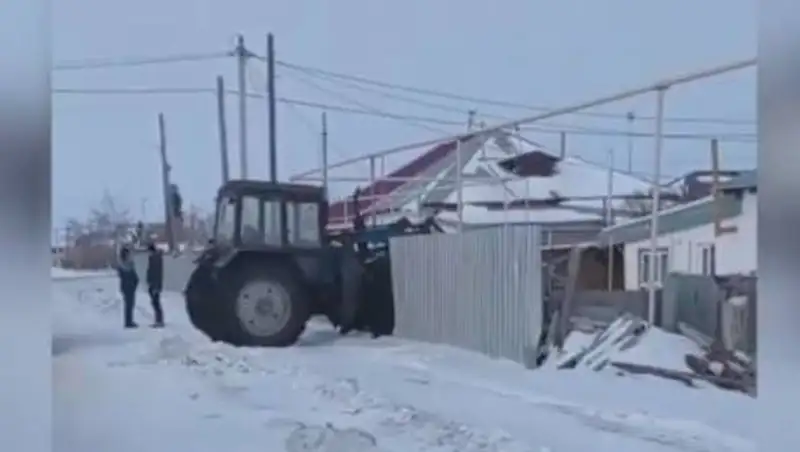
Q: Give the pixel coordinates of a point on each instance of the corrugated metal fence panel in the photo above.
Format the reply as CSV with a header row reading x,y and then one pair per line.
x,y
479,290
698,298
698,302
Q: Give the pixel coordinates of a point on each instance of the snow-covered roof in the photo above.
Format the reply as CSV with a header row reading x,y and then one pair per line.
x,y
485,180
581,186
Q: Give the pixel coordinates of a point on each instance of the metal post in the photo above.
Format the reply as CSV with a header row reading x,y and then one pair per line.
x,y
273,142
527,197
223,129
609,213
242,55
505,204
373,202
165,169
325,153
631,117
459,186
610,217
143,206
658,145
562,145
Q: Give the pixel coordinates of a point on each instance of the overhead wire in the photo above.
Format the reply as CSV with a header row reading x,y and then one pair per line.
x,y
232,92
410,100
312,128
133,61
586,131
378,112
485,101
549,127
88,64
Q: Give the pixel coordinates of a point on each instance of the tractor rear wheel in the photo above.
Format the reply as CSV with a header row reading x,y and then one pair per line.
x,y
266,308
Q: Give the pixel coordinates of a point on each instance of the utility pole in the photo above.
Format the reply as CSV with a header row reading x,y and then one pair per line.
x,y
325,152
630,117
242,54
143,209
165,169
273,143
223,129
609,205
716,196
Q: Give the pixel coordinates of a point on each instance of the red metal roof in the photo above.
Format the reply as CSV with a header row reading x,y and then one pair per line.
x,y
385,186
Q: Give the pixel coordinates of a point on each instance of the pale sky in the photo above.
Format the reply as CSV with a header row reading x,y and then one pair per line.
x,y
539,52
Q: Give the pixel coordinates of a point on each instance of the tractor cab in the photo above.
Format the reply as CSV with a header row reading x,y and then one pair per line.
x,y
264,215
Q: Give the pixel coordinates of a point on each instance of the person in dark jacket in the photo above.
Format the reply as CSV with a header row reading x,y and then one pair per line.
x,y
128,282
155,282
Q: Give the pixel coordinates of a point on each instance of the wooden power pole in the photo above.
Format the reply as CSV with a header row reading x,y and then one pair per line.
x,y
223,130
273,139
242,54
717,198
165,170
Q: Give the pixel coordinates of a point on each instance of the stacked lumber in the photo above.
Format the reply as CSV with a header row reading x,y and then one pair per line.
x,y
607,349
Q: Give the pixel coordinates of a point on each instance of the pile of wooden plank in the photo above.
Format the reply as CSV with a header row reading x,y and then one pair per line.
x,y
715,365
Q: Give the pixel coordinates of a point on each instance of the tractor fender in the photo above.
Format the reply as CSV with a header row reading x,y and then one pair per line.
x,y
240,259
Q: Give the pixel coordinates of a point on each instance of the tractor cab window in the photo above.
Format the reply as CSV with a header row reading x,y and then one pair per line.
x,y
260,221
303,224
226,220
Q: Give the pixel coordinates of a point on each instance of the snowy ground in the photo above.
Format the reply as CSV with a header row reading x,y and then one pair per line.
x,y
164,390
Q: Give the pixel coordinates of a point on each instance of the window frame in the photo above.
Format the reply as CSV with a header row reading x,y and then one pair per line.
x,y
662,262
295,223
268,228
222,207
708,259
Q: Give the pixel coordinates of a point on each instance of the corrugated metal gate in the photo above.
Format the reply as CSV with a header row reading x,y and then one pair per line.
x,y
480,290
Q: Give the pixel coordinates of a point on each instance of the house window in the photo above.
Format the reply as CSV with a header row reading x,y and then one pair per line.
x,y
708,259
661,263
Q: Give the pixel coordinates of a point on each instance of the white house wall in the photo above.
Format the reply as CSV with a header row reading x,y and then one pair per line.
x,y
735,252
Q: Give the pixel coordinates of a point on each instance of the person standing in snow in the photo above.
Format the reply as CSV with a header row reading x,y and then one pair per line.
x,y
155,282
128,282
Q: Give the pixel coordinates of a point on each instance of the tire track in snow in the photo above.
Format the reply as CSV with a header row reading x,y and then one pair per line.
x,y
237,372
241,373
690,436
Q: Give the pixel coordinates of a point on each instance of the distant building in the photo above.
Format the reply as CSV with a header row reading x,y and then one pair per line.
x,y
688,241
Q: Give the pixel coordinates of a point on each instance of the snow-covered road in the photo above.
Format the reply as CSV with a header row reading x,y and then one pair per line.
x,y
171,389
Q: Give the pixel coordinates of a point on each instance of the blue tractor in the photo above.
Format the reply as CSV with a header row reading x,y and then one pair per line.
x,y
271,266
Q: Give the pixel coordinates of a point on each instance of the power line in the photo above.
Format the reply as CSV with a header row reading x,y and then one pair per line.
x,y
574,130
592,131
479,100
312,128
548,127
133,62
284,100
377,112
178,58
407,99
